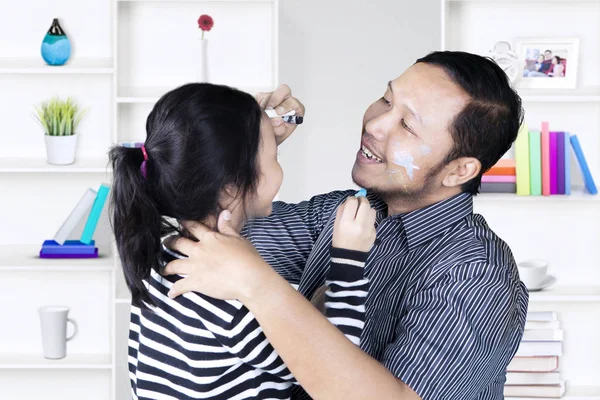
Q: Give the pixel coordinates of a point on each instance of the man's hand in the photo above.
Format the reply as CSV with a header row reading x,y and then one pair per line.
x,y
282,101
221,264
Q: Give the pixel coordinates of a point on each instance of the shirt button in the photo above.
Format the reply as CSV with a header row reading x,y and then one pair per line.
x,y
377,242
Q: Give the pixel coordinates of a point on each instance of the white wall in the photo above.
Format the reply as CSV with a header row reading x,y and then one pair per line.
x,y
337,56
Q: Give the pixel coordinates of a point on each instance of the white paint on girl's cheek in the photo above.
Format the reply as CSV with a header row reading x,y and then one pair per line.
x,y
405,160
425,149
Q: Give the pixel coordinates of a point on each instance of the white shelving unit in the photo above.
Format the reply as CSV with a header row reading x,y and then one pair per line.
x,y
19,66
569,294
72,361
560,229
40,165
120,66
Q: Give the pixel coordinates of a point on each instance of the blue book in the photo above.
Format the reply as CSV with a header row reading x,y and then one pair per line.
x,y
94,217
567,164
69,247
590,185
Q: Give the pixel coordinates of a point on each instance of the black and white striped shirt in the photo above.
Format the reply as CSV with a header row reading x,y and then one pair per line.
x,y
197,347
445,310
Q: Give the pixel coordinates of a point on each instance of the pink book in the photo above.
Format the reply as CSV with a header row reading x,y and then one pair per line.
x,y
499,178
553,163
545,159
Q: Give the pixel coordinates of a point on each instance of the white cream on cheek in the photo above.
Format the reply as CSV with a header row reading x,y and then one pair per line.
x,y
405,160
424,149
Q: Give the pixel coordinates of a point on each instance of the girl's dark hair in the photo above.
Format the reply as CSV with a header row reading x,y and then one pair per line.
x,y
558,59
199,138
488,125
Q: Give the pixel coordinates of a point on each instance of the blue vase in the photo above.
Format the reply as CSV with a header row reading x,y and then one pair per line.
x,y
56,48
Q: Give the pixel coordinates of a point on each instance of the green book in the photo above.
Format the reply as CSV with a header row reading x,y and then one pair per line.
x,y
535,163
522,161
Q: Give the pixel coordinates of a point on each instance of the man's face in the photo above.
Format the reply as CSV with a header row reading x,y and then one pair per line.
x,y
405,137
548,55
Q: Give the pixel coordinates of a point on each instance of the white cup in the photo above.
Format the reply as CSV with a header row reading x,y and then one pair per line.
x,y
54,330
533,272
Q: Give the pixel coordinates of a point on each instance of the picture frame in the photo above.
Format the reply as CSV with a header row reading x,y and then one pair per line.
x,y
547,63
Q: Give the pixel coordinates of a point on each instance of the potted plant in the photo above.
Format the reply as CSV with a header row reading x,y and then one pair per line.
x,y
60,119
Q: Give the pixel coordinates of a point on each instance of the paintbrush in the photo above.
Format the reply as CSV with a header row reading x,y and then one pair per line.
x,y
290,117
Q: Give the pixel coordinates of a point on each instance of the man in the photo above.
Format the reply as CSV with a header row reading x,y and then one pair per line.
x,y
545,68
445,310
547,64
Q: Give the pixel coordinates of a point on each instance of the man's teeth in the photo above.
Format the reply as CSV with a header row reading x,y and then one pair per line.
x,y
370,155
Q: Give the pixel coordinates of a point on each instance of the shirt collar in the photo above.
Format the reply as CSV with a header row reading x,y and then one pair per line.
x,y
376,203
426,223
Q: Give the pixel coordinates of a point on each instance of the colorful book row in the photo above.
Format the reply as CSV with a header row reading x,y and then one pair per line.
x,y
543,161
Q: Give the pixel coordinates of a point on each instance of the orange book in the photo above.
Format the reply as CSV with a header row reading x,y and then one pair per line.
x,y
503,167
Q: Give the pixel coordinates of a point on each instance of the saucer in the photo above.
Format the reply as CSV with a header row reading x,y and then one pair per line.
x,y
549,280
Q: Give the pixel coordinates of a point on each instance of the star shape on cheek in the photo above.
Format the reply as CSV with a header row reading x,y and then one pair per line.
x,y
405,160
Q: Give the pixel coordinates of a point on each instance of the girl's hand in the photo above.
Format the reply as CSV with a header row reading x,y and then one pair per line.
x,y
282,101
354,227
222,264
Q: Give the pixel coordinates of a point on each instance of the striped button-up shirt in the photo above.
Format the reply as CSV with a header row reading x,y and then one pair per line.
x,y
446,309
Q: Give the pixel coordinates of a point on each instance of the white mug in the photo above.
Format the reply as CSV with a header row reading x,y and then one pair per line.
x,y
54,320
533,272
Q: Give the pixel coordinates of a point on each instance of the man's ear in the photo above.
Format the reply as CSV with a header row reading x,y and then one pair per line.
x,y
461,171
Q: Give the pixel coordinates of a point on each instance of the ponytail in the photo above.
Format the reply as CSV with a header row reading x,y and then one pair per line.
x,y
193,150
136,222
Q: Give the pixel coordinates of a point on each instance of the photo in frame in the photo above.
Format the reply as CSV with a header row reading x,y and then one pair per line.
x,y
547,63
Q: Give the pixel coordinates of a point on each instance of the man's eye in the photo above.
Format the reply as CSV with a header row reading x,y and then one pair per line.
x,y
405,126
385,101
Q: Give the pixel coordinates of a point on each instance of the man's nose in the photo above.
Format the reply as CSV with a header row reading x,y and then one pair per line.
x,y
379,127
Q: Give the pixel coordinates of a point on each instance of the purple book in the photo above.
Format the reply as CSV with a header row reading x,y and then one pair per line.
x,y
560,162
72,255
553,165
69,247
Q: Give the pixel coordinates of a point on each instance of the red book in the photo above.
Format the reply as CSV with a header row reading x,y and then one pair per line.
x,y
545,159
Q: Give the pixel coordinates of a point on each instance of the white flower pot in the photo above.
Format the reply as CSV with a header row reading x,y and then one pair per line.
x,y
60,150
202,61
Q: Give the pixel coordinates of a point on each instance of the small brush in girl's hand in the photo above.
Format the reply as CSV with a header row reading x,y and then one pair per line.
x,y
290,117
361,193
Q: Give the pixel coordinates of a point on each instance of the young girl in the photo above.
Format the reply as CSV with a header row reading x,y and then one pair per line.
x,y
558,70
210,148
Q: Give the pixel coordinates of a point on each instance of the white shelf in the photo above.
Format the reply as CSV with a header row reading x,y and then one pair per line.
x,y
81,165
26,258
38,66
123,301
196,1
522,1
577,195
571,294
574,393
71,361
589,94
152,94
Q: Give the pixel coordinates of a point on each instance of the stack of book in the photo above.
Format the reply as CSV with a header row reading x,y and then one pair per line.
x,y
501,178
534,372
542,165
59,247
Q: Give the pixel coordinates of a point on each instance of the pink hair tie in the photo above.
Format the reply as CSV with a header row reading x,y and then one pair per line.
x,y
143,166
